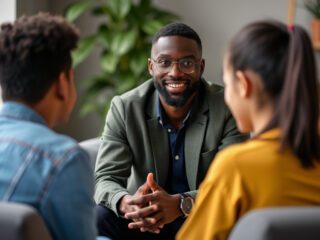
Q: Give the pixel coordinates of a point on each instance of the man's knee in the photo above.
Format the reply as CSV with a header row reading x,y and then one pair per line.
x,y
104,214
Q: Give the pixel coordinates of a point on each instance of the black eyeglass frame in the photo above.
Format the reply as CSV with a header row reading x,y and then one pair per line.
x,y
196,63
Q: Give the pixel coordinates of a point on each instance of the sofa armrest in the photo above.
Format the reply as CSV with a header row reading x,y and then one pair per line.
x,y
19,221
294,223
91,146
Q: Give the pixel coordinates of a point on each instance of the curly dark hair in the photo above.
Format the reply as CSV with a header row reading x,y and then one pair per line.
x,y
34,50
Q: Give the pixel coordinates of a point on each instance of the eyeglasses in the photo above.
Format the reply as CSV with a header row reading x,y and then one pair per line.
x,y
185,65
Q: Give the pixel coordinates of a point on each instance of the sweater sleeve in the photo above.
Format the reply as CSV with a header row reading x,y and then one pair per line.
x,y
221,200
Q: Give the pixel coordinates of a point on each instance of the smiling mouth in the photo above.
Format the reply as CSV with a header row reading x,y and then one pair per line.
x,y
176,87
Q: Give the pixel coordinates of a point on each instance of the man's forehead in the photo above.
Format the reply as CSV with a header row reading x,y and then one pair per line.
x,y
168,45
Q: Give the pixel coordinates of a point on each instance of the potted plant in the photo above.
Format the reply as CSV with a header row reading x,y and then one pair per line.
x,y
125,39
313,6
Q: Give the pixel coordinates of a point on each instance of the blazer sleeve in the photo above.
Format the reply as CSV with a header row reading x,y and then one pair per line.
x,y
114,160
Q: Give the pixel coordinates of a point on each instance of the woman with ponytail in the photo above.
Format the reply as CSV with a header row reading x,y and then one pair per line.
x,y
271,88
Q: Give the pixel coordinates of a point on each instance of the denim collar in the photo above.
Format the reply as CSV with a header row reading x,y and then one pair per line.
x,y
20,111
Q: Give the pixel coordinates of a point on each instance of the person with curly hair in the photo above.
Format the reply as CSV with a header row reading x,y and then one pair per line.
x,y
39,167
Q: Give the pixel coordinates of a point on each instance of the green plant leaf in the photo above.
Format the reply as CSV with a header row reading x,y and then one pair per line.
x,y
143,7
122,42
313,6
97,96
109,62
124,32
74,10
152,26
127,82
120,8
83,50
139,62
101,10
105,36
95,84
145,3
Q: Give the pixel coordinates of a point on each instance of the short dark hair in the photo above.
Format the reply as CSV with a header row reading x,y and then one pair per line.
x,y
34,50
177,29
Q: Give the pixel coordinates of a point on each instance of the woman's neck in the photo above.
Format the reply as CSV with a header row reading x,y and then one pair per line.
x,y
261,117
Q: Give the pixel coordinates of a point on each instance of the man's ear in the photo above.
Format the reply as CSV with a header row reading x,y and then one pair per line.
x,y
150,66
62,85
202,66
244,83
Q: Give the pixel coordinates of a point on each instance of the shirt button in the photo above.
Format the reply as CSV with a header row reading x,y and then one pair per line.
x,y
177,157
169,130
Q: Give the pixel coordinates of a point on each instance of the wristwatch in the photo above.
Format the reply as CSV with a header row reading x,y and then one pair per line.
x,y
186,204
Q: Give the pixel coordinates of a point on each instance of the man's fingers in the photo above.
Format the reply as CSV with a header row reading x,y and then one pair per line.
x,y
143,200
143,189
152,230
142,223
143,212
151,183
155,228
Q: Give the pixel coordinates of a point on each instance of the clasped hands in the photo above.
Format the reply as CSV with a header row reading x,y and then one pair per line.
x,y
150,208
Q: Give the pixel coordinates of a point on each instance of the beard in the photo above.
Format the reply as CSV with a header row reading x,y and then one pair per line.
x,y
176,100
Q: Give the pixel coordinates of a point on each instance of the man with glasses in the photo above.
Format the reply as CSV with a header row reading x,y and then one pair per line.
x,y
159,140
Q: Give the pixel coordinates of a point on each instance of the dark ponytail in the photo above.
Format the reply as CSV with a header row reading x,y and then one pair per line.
x,y
298,111
285,61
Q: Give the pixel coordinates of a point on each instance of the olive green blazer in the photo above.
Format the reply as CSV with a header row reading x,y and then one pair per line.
x,y
134,143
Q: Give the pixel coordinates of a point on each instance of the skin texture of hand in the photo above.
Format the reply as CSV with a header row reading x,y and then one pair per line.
x,y
144,189
159,208
125,208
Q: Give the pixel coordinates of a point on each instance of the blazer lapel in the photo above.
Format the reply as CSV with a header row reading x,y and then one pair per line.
x,y
160,149
194,138
159,143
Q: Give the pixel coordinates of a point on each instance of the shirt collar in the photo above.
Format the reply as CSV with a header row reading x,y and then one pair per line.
x,y
20,111
162,118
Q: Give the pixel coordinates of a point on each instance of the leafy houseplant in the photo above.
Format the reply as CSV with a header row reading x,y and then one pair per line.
x,y
124,38
313,6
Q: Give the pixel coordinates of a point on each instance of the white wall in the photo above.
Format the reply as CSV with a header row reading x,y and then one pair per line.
x,y
215,21
28,7
7,14
7,10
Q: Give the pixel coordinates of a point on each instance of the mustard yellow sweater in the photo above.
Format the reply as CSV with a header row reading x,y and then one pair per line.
x,y
247,176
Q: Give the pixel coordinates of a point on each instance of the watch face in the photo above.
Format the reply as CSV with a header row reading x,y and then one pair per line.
x,y
187,204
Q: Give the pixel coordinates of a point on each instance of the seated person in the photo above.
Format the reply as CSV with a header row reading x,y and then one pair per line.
x,y
39,167
170,127
271,89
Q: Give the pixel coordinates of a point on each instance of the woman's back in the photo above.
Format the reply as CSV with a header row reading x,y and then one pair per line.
x,y
268,177
247,176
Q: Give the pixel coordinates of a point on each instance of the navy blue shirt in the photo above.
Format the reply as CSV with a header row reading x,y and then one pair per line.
x,y
177,180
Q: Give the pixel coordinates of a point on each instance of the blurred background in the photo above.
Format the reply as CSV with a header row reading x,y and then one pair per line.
x,y
216,21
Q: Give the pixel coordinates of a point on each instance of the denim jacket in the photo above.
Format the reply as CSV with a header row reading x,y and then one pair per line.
x,y
46,170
